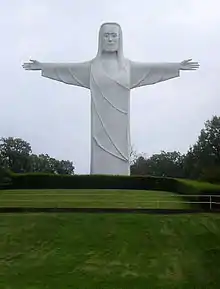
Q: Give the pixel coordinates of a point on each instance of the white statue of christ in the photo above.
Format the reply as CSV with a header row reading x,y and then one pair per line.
x,y
110,77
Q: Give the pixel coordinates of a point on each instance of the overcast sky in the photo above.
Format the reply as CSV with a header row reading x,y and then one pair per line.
x,y
55,118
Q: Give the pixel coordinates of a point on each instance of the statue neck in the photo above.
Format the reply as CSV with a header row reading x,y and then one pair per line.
x,y
110,62
109,55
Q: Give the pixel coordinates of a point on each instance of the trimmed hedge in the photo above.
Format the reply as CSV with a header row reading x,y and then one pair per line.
x,y
53,181
5,179
211,175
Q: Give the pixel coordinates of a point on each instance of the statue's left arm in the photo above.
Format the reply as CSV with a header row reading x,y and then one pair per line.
x,y
150,73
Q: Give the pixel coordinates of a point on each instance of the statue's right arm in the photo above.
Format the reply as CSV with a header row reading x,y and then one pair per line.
x,y
70,73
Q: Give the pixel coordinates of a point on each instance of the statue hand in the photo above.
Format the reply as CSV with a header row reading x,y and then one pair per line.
x,y
32,65
189,65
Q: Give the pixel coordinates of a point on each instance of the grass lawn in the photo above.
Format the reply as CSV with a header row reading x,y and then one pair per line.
x,y
92,198
111,251
203,186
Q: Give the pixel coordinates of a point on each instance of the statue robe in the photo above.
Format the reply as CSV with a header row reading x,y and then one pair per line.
x,y
110,105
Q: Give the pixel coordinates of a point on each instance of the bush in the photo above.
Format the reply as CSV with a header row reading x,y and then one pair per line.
x,y
211,175
53,181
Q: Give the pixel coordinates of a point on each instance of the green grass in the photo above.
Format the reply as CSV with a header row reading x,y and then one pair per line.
x,y
111,251
92,198
201,186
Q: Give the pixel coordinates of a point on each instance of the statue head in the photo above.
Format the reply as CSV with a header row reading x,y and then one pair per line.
x,y
110,42
110,38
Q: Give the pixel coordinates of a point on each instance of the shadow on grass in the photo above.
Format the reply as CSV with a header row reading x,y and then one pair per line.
x,y
105,210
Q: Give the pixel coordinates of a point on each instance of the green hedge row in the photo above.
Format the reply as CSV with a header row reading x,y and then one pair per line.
x,y
211,175
5,178
52,181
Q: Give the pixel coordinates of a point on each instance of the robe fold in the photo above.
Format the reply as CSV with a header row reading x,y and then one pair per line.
x,y
77,74
110,105
151,73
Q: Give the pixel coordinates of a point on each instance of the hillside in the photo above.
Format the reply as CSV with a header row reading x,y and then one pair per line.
x,y
110,251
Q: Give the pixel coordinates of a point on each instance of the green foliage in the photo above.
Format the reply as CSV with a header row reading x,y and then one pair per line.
x,y
55,181
45,164
204,156
165,164
5,178
15,155
211,174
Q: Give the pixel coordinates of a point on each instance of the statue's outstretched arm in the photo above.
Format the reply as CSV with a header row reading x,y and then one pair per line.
x,y
150,73
70,73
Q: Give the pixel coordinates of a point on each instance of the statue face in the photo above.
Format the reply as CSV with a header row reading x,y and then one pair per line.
x,y
110,34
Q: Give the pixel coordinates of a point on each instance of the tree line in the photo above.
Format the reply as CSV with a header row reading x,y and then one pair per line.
x,y
16,156
202,160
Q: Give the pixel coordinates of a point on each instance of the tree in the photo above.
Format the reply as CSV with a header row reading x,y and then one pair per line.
x,y
45,164
164,164
14,154
205,154
42,163
133,155
139,166
65,167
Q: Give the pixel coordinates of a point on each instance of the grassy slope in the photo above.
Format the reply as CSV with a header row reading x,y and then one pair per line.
x,y
201,186
56,251
92,198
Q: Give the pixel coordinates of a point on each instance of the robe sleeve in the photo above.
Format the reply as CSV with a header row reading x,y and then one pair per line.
x,y
150,73
70,73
